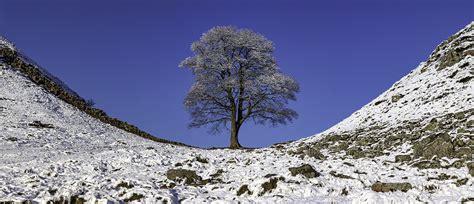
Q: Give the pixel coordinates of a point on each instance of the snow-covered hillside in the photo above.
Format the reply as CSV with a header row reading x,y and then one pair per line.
x,y
430,90
51,151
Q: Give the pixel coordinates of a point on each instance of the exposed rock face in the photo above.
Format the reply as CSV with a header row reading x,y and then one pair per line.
x,y
450,135
390,187
434,145
305,170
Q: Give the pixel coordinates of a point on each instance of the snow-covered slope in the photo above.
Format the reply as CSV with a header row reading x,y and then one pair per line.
x,y
52,151
430,90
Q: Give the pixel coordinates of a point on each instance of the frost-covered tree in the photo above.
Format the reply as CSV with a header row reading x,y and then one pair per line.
x,y
237,80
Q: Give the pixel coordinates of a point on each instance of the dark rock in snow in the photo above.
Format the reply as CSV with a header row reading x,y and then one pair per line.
x,y
356,152
461,182
39,124
427,164
338,175
470,167
390,187
190,177
269,185
244,189
305,170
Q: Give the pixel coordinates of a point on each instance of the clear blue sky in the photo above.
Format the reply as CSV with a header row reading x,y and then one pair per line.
x,y
124,54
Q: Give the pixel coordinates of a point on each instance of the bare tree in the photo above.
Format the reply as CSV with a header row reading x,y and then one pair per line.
x,y
237,80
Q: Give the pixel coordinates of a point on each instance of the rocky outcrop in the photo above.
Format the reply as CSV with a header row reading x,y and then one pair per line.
x,y
450,135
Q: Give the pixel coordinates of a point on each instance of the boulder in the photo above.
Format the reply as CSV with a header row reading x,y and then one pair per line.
x,y
390,187
270,185
396,98
437,145
305,170
190,177
461,182
244,189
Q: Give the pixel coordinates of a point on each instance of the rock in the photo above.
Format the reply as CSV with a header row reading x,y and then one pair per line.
x,y
13,139
443,177
402,158
347,163
315,153
305,170
461,182
134,197
439,145
344,192
202,160
269,185
312,152
270,175
365,141
190,177
390,187
39,124
217,174
464,152
432,126
450,58
342,146
124,184
427,164
244,189
470,167
338,175
76,199
360,172
356,152
457,164
396,98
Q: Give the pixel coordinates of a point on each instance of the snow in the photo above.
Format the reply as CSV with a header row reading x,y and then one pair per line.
x,y
82,156
6,43
427,93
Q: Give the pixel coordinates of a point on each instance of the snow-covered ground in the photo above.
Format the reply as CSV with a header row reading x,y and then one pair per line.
x,y
68,153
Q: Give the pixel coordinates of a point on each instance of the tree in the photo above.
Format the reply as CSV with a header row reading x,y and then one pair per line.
x,y
90,102
237,80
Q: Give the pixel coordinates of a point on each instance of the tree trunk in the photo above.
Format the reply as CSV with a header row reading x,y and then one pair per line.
x,y
234,136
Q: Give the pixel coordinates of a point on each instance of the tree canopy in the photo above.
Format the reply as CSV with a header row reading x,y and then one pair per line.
x,y
237,80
